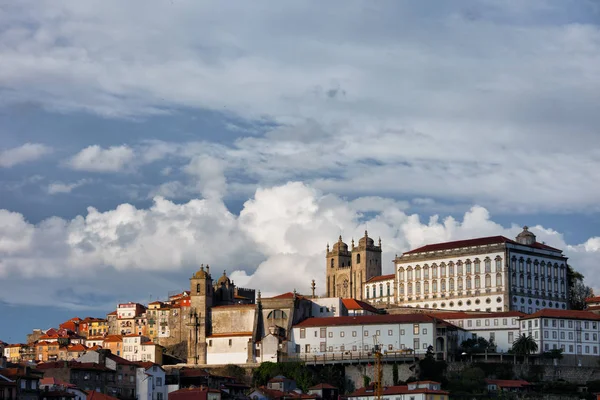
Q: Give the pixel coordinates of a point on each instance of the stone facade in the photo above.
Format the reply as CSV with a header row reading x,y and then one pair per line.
x,y
348,270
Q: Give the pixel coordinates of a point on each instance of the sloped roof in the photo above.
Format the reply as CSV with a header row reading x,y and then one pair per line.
x,y
366,320
467,315
508,383
393,390
322,386
353,304
484,241
381,278
566,314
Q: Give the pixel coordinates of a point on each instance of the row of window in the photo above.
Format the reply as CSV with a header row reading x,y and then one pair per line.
x,y
451,285
538,283
324,348
450,268
322,332
560,324
571,348
487,322
525,265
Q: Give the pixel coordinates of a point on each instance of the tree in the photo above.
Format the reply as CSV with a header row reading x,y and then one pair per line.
x,y
478,345
468,382
525,345
430,369
395,374
555,355
578,291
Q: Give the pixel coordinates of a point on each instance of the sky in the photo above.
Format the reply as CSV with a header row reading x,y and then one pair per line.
x,y
141,139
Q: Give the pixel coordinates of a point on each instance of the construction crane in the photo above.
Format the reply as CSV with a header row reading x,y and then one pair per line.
x,y
378,375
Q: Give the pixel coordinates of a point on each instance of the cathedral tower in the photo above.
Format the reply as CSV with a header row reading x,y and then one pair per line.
x,y
338,269
201,299
366,263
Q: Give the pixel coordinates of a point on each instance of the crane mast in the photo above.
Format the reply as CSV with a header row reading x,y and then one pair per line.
x,y
378,376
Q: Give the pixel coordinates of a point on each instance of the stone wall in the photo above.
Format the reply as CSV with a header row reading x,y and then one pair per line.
x,y
355,373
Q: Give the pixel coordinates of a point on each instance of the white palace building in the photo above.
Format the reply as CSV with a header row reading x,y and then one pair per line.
x,y
484,274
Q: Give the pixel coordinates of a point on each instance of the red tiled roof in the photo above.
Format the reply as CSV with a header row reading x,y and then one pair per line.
x,y
567,314
147,364
467,315
507,383
112,313
381,278
56,382
193,372
119,360
484,241
394,390
200,393
353,304
77,347
288,295
93,395
365,320
595,299
322,386
113,338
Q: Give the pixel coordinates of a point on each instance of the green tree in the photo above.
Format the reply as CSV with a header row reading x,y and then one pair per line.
x,y
525,345
366,380
468,382
395,374
578,291
430,368
477,345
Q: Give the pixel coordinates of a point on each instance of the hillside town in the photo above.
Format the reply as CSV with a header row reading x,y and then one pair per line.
x,y
496,308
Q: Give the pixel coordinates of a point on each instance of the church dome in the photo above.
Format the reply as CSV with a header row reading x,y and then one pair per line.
x,y
340,246
366,241
224,280
200,274
526,237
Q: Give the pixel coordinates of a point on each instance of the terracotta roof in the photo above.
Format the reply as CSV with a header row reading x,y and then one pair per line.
x,y
322,386
230,334
353,304
394,390
72,365
200,393
365,320
508,383
193,372
147,364
120,360
467,315
77,347
112,313
113,338
566,314
56,382
288,295
234,306
484,241
93,395
381,278
595,299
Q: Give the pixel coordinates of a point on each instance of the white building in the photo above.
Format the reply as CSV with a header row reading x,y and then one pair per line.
x,y
150,382
380,289
327,307
502,327
228,348
484,274
356,336
420,390
140,348
575,332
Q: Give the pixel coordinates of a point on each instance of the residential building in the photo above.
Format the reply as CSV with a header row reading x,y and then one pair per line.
x,y
140,348
324,391
507,385
22,383
327,307
484,274
86,376
356,307
575,332
281,383
114,343
348,270
380,289
150,382
124,384
356,336
53,388
127,313
500,328
420,390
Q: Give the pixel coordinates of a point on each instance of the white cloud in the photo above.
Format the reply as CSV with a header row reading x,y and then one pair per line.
x,y
22,154
61,187
282,231
96,159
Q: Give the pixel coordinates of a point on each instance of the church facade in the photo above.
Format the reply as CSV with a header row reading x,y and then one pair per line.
x,y
348,269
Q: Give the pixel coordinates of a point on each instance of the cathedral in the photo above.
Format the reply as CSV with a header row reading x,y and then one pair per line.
x,y
349,269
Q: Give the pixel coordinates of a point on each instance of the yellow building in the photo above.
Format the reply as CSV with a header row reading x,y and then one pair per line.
x,y
97,327
114,343
12,352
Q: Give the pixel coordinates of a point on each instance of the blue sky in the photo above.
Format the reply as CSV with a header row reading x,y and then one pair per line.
x,y
141,139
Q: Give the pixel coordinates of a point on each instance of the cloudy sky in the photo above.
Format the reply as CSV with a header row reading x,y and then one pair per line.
x,y
140,139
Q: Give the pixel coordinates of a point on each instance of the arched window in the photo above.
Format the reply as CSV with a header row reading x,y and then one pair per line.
x,y
401,274
425,287
442,270
451,284
434,286
388,289
197,288
498,279
468,283
409,275
521,264
358,258
477,282
459,268
417,272
277,314
410,289
402,289
521,281
488,281
380,290
434,271
488,265
368,293
468,267
418,288
498,264
332,263
477,266
443,285
451,268
543,284
459,283
425,271
374,291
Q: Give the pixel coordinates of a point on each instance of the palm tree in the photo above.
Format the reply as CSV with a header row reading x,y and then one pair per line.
x,y
525,345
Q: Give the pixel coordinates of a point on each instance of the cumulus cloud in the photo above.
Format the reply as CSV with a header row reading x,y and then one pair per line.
x,y
97,159
22,154
281,231
61,187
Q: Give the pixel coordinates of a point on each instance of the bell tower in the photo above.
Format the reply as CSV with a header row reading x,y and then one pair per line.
x,y
366,263
201,299
338,260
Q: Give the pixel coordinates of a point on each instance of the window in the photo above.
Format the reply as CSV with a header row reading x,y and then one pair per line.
x,y
488,281
546,334
498,264
511,337
357,259
424,331
401,332
323,332
415,329
353,333
342,334
158,381
322,347
330,334
416,343
366,333
210,343
492,336
302,333
477,266
488,265
390,332
495,322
